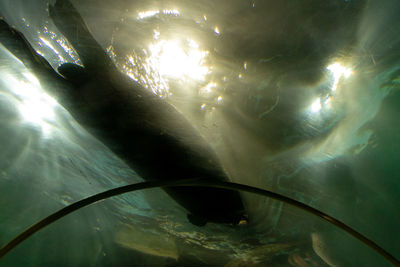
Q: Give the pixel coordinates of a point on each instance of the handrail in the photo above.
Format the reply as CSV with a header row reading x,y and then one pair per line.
x,y
192,182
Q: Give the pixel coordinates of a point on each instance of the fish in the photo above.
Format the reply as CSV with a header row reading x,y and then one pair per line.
x,y
150,135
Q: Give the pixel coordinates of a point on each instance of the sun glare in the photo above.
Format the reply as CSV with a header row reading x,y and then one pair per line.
x,y
338,71
152,13
316,105
36,107
172,60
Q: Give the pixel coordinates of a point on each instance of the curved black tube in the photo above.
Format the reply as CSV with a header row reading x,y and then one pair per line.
x,y
192,182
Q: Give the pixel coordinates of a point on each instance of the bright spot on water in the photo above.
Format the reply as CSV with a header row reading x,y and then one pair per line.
x,y
216,30
219,99
173,12
156,35
170,59
35,106
327,101
209,87
338,71
147,14
316,105
151,13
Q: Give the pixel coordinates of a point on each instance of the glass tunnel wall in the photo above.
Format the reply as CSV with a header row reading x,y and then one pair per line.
x,y
297,97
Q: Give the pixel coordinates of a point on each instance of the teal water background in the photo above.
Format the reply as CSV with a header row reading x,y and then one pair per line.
x,y
256,83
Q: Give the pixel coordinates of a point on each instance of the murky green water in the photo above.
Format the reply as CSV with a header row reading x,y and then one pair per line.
x,y
298,97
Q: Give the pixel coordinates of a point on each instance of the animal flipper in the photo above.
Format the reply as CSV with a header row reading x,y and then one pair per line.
x,y
72,26
19,46
72,72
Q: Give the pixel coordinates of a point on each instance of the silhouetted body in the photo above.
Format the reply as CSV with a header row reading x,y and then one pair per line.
x,y
149,134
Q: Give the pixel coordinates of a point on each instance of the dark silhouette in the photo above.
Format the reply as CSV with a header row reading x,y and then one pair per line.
x,y
149,134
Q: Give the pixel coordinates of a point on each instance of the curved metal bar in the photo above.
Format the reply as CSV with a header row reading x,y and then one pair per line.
x,y
192,182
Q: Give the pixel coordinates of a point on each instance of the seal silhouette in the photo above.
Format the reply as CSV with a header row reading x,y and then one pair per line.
x,y
145,131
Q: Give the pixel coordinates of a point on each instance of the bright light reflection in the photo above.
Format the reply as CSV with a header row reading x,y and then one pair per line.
x,y
338,71
146,14
49,45
316,105
151,13
208,88
173,12
156,34
36,107
170,59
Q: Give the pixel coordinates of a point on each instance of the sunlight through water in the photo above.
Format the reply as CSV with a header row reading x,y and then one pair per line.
x,y
170,59
36,107
337,72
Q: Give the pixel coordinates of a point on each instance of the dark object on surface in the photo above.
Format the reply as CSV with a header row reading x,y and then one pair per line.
x,y
146,132
192,183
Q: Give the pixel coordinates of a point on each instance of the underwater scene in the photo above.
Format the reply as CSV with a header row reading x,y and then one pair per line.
x,y
200,133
